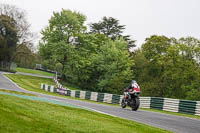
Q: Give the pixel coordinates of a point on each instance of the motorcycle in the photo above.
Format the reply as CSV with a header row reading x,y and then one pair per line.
x,y
131,98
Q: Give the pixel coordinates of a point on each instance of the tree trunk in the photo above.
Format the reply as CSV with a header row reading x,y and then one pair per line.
x,y
63,68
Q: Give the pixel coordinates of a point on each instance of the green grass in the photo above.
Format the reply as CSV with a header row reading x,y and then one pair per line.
x,y
32,71
34,83
70,86
31,83
22,115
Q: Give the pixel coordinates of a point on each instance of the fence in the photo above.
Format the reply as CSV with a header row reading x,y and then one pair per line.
x,y
167,104
59,85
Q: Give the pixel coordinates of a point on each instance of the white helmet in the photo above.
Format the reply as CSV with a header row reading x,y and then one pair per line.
x,y
133,81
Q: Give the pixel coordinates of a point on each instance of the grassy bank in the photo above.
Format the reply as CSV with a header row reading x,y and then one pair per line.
x,y
33,83
21,115
32,71
30,82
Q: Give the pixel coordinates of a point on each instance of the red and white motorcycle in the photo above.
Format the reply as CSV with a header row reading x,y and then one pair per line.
x,y
131,96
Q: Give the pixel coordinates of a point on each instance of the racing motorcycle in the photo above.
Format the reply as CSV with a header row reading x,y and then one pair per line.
x,y
131,98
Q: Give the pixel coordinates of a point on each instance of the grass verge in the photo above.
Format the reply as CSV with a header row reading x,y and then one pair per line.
x,y
22,115
34,83
31,83
70,86
32,71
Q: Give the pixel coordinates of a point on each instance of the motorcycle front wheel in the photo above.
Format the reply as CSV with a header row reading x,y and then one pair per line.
x,y
123,104
136,104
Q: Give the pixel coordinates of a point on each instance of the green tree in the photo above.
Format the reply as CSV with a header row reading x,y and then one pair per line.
x,y
114,61
110,26
25,36
154,49
17,43
8,37
181,61
101,64
83,69
59,38
156,46
165,67
26,57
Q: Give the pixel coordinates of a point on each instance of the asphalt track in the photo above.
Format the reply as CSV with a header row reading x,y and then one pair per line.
x,y
173,123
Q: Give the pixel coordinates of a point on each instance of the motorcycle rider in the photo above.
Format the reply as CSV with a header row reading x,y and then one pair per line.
x,y
130,87
131,96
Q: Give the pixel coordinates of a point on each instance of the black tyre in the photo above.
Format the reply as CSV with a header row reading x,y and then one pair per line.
x,y
123,104
136,104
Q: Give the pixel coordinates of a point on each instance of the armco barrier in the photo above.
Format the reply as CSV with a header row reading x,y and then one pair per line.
x,y
198,108
167,104
145,102
171,105
187,107
156,103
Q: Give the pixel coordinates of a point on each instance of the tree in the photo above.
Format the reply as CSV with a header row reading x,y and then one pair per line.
x,y
59,38
156,46
181,60
83,69
25,36
26,57
111,27
8,37
165,67
154,49
192,48
114,61
21,38
101,64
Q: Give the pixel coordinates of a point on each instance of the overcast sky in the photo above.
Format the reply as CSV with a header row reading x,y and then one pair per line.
x,y
143,18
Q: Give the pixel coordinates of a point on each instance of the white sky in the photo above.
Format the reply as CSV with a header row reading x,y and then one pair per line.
x,y
143,18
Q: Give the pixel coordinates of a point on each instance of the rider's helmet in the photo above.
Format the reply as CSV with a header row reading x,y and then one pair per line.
x,y
133,83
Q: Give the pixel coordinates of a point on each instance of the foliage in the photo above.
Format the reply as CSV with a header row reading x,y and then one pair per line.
x,y
165,67
83,56
111,28
8,37
24,35
81,67
114,62
100,63
26,57
16,39
59,37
